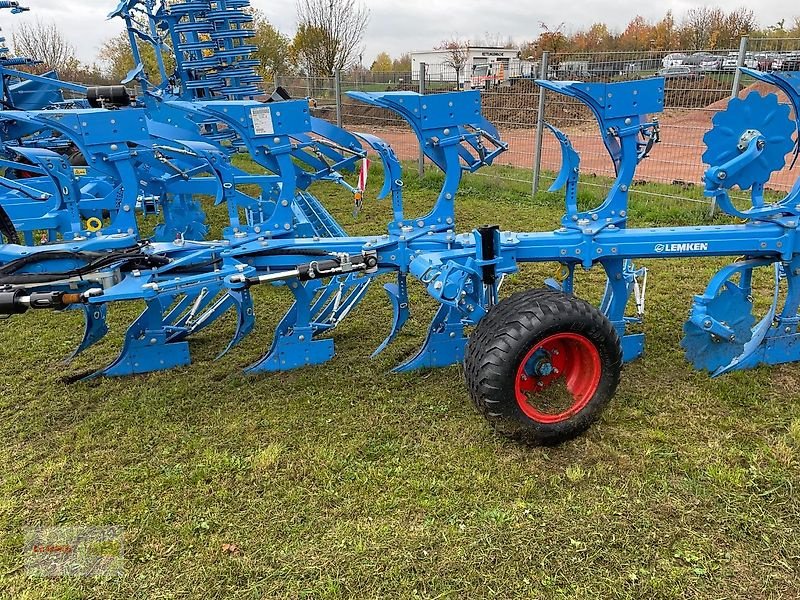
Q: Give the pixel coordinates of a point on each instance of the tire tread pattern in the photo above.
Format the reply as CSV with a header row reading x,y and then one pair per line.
x,y
502,339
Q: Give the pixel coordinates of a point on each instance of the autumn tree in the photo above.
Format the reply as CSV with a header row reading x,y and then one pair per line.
x,y
456,55
552,39
78,72
43,42
402,64
528,50
665,33
382,63
736,24
115,53
597,37
273,48
638,35
329,35
700,27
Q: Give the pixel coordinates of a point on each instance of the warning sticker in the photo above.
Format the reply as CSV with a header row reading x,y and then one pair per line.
x,y
262,120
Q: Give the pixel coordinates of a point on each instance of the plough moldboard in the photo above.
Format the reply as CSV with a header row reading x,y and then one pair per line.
x,y
540,365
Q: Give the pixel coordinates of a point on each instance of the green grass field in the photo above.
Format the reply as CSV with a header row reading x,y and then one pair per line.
x,y
346,481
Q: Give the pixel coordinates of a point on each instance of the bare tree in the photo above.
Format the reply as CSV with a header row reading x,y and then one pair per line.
x,y
43,42
737,23
457,54
700,27
329,34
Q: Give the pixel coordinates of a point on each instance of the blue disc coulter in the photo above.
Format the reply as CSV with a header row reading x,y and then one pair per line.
x,y
541,365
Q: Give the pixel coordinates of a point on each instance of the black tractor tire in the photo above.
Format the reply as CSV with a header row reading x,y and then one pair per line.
x,y
504,340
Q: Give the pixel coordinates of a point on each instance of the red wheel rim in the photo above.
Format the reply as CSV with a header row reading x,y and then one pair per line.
x,y
566,359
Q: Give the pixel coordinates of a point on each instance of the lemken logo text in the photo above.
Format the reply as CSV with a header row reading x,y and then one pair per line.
x,y
682,248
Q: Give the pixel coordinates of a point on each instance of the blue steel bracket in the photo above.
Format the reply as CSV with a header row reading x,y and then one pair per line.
x,y
59,213
392,179
294,345
321,156
452,133
266,130
789,83
775,339
455,278
620,109
621,280
748,142
570,171
444,345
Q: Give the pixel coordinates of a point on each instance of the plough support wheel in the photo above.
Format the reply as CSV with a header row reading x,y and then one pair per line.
x,y
542,366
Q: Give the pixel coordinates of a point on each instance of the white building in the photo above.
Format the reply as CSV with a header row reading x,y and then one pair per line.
x,y
482,64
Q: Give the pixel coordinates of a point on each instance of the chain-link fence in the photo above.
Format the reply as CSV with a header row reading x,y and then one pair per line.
x,y
697,85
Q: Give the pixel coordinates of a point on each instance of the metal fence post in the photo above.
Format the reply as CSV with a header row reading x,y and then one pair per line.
x,y
737,76
537,157
337,90
423,73
737,80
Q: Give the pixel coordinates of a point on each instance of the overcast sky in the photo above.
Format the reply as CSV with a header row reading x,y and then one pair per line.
x,y
398,27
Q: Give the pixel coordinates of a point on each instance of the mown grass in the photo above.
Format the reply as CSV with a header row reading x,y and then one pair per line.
x,y
346,481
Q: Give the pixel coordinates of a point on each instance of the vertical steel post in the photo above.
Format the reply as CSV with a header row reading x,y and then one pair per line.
x,y
737,76
423,73
337,90
737,80
537,156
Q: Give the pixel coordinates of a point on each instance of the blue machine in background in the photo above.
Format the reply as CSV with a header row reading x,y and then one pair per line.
x,y
540,365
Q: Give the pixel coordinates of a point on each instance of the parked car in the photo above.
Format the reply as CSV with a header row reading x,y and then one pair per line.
x,y
673,60
696,59
790,62
711,63
680,72
767,61
731,61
